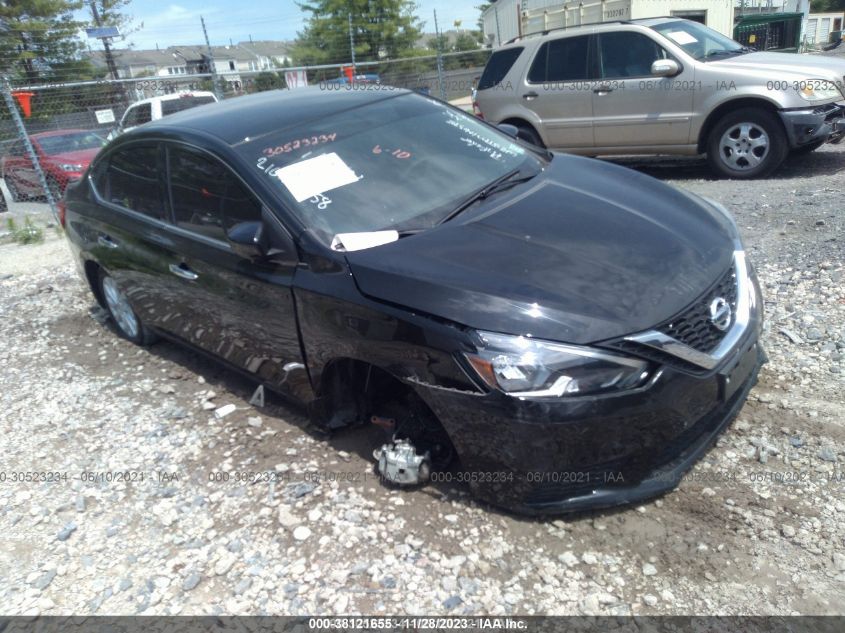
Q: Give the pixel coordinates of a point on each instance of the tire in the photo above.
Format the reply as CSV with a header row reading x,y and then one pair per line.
x,y
529,135
747,143
803,150
3,206
126,322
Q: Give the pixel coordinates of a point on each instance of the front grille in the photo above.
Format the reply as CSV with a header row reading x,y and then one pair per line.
x,y
693,327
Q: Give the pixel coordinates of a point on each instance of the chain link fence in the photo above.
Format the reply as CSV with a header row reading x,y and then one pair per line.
x,y
49,133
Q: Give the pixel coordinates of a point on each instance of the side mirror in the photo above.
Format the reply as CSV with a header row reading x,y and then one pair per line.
x,y
249,239
510,130
665,68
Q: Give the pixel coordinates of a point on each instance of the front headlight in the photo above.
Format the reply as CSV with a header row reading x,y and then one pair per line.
x,y
526,367
70,167
818,90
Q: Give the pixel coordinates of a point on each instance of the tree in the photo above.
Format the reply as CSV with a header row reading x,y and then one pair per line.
x,y
38,40
827,6
380,28
109,13
268,81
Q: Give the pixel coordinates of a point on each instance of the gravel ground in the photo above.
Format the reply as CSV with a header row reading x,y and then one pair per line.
x,y
755,529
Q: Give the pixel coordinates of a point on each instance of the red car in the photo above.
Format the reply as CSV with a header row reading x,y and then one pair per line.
x,y
64,156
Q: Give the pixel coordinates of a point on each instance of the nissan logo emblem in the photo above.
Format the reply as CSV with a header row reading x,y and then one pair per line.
x,y
720,313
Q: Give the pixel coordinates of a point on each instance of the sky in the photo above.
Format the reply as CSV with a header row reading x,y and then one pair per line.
x,y
167,23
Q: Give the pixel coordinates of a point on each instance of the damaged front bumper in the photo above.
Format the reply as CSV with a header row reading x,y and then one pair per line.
x,y
810,125
557,456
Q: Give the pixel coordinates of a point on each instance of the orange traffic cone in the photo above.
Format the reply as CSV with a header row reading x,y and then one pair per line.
x,y
24,99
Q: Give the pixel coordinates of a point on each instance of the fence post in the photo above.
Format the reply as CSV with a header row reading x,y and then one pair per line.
x,y
16,117
440,81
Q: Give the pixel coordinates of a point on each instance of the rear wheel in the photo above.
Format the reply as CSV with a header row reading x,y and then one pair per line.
x,y
747,143
128,325
529,135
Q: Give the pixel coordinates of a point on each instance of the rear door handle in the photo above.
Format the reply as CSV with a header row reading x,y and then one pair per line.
x,y
183,271
602,89
105,240
528,96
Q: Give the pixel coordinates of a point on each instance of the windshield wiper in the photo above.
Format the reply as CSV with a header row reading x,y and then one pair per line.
x,y
733,51
500,184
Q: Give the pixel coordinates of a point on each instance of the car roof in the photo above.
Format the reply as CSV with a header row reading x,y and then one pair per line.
x,y
175,95
235,120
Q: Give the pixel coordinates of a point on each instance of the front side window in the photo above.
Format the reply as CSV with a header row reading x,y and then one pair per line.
x,y
207,198
132,181
565,59
628,54
402,162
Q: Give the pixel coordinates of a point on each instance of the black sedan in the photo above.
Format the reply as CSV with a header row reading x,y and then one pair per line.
x,y
558,332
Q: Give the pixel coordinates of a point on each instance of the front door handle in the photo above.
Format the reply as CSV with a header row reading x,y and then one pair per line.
x,y
183,271
105,240
602,89
528,96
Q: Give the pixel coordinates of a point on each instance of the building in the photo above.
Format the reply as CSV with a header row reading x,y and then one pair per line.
x,y
820,25
505,19
228,61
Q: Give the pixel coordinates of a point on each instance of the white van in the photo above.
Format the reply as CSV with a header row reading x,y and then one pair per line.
x,y
154,108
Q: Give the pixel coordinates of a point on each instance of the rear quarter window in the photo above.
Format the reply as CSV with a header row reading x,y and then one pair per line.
x,y
498,67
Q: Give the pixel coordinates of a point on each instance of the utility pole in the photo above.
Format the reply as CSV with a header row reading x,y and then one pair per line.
x,y
211,61
439,59
351,41
106,46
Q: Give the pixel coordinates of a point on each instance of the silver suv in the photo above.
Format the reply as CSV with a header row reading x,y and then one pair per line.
x,y
664,86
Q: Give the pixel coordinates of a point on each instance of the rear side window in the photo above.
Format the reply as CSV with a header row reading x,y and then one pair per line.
x,y
183,103
138,115
207,198
498,67
566,59
131,180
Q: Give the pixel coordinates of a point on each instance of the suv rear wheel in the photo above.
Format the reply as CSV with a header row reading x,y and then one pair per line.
x,y
747,143
529,135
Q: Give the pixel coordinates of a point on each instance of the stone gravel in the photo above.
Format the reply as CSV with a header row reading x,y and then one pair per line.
x,y
140,517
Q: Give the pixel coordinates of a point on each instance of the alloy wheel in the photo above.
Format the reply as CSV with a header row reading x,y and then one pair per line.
x,y
744,146
120,309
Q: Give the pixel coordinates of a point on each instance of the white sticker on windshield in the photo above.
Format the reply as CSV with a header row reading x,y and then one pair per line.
x,y
362,240
314,176
681,37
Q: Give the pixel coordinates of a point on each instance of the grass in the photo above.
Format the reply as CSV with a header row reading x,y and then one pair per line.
x,y
26,234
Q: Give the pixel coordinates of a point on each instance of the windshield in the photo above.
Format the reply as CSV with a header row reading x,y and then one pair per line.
x,y
73,142
400,163
184,102
698,40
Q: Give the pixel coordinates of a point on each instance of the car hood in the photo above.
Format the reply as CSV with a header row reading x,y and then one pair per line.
x,y
809,66
584,252
80,157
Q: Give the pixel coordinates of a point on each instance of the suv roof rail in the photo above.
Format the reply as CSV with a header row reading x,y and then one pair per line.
x,y
564,28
